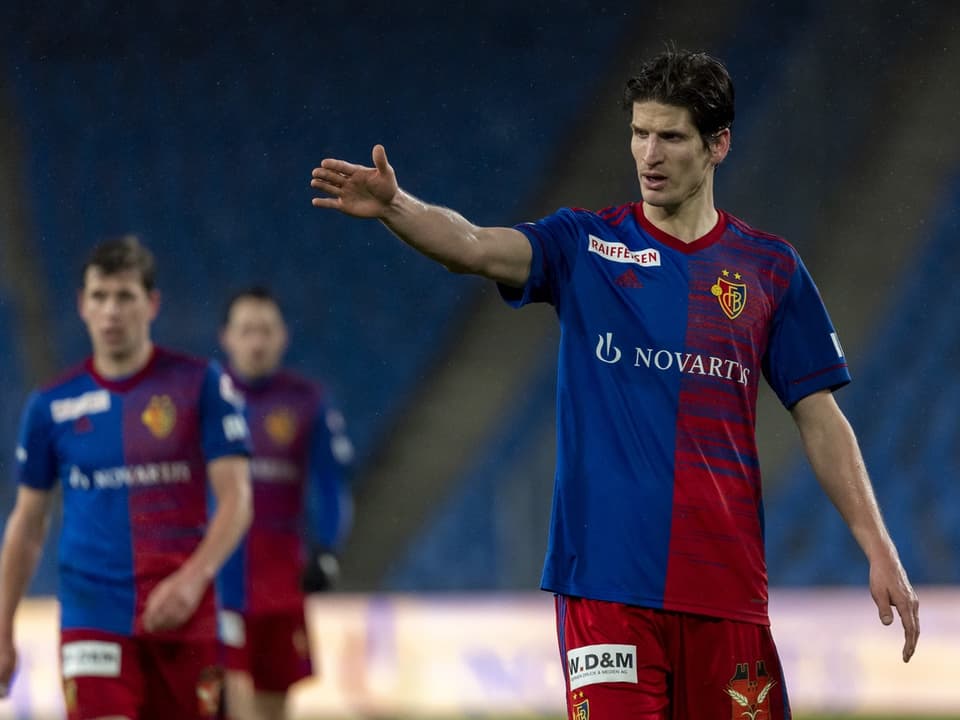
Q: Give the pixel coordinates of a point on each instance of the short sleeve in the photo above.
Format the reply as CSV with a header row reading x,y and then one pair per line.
x,y
553,241
36,459
803,353
223,424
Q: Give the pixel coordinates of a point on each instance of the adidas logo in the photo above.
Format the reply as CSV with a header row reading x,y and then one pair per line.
x,y
629,279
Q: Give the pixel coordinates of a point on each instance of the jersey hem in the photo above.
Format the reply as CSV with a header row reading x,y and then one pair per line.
x,y
757,618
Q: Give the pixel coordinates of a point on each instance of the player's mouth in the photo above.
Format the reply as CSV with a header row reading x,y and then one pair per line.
x,y
654,181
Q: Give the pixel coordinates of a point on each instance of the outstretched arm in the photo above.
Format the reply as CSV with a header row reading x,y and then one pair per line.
x,y
498,253
835,456
22,545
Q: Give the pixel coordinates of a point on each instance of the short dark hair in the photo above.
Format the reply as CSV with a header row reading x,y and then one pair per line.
x,y
118,254
255,292
692,80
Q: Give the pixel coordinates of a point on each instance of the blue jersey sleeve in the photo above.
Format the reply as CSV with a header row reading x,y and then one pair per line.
x,y
553,241
328,498
36,460
804,353
223,424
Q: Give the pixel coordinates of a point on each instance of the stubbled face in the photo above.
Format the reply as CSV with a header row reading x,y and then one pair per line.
x,y
117,310
254,338
673,165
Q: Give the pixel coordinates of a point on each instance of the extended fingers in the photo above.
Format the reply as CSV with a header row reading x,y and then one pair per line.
x,y
909,609
327,180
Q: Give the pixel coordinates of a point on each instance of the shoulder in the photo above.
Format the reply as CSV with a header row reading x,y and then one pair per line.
x,y
773,246
167,358
295,382
65,381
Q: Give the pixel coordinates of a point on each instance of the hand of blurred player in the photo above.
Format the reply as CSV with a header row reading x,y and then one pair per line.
x,y
891,588
8,665
321,571
356,189
173,601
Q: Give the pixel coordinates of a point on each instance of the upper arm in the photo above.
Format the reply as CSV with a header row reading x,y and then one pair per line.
x,y
31,512
820,420
229,476
503,255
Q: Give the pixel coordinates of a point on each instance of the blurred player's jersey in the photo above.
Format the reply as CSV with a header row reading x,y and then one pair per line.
x,y
131,455
300,452
658,497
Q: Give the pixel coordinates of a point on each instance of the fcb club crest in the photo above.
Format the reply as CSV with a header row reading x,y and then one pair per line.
x,y
209,691
281,426
750,695
160,416
732,295
581,706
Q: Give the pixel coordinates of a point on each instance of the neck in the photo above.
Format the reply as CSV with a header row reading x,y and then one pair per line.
x,y
691,219
114,367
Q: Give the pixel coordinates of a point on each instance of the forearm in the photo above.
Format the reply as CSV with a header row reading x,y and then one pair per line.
x,y
22,547
226,528
439,233
838,464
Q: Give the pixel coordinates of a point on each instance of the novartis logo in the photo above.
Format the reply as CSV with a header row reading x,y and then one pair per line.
x,y
667,360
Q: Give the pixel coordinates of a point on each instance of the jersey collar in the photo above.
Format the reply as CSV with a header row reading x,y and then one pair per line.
x,y
122,384
701,243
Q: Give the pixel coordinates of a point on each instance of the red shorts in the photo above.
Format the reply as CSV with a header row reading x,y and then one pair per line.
x,y
108,675
622,661
273,649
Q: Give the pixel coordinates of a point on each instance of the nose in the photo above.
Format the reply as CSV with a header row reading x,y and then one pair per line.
x,y
651,151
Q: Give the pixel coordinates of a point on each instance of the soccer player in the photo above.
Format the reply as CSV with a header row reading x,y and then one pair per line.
x,y
139,438
300,454
670,310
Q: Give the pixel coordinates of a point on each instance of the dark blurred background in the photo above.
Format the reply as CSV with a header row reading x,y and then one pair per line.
x,y
196,125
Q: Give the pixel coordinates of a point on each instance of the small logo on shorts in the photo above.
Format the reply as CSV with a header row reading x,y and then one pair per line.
x,y
606,663
209,689
749,696
70,695
581,706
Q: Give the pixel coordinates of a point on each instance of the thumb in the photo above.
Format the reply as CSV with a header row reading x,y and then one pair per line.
x,y
380,159
883,607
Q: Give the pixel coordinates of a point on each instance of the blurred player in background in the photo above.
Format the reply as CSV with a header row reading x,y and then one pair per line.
x,y
300,453
137,436
670,310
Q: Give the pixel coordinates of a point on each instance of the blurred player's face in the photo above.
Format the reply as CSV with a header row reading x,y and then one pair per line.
x,y
673,165
254,338
118,311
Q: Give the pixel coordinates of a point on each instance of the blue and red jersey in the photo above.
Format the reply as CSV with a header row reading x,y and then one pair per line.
x,y
300,454
131,456
657,499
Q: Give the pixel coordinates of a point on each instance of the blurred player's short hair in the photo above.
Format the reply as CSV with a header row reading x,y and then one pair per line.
x,y
255,292
692,80
118,254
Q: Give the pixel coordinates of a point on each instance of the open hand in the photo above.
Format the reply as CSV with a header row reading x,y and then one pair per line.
x,y
356,190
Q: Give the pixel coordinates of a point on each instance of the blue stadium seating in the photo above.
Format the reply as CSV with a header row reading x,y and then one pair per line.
x,y
903,406
202,140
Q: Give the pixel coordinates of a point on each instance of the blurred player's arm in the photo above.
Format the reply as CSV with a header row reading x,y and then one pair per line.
x,y
835,456
498,253
23,542
175,599
329,502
